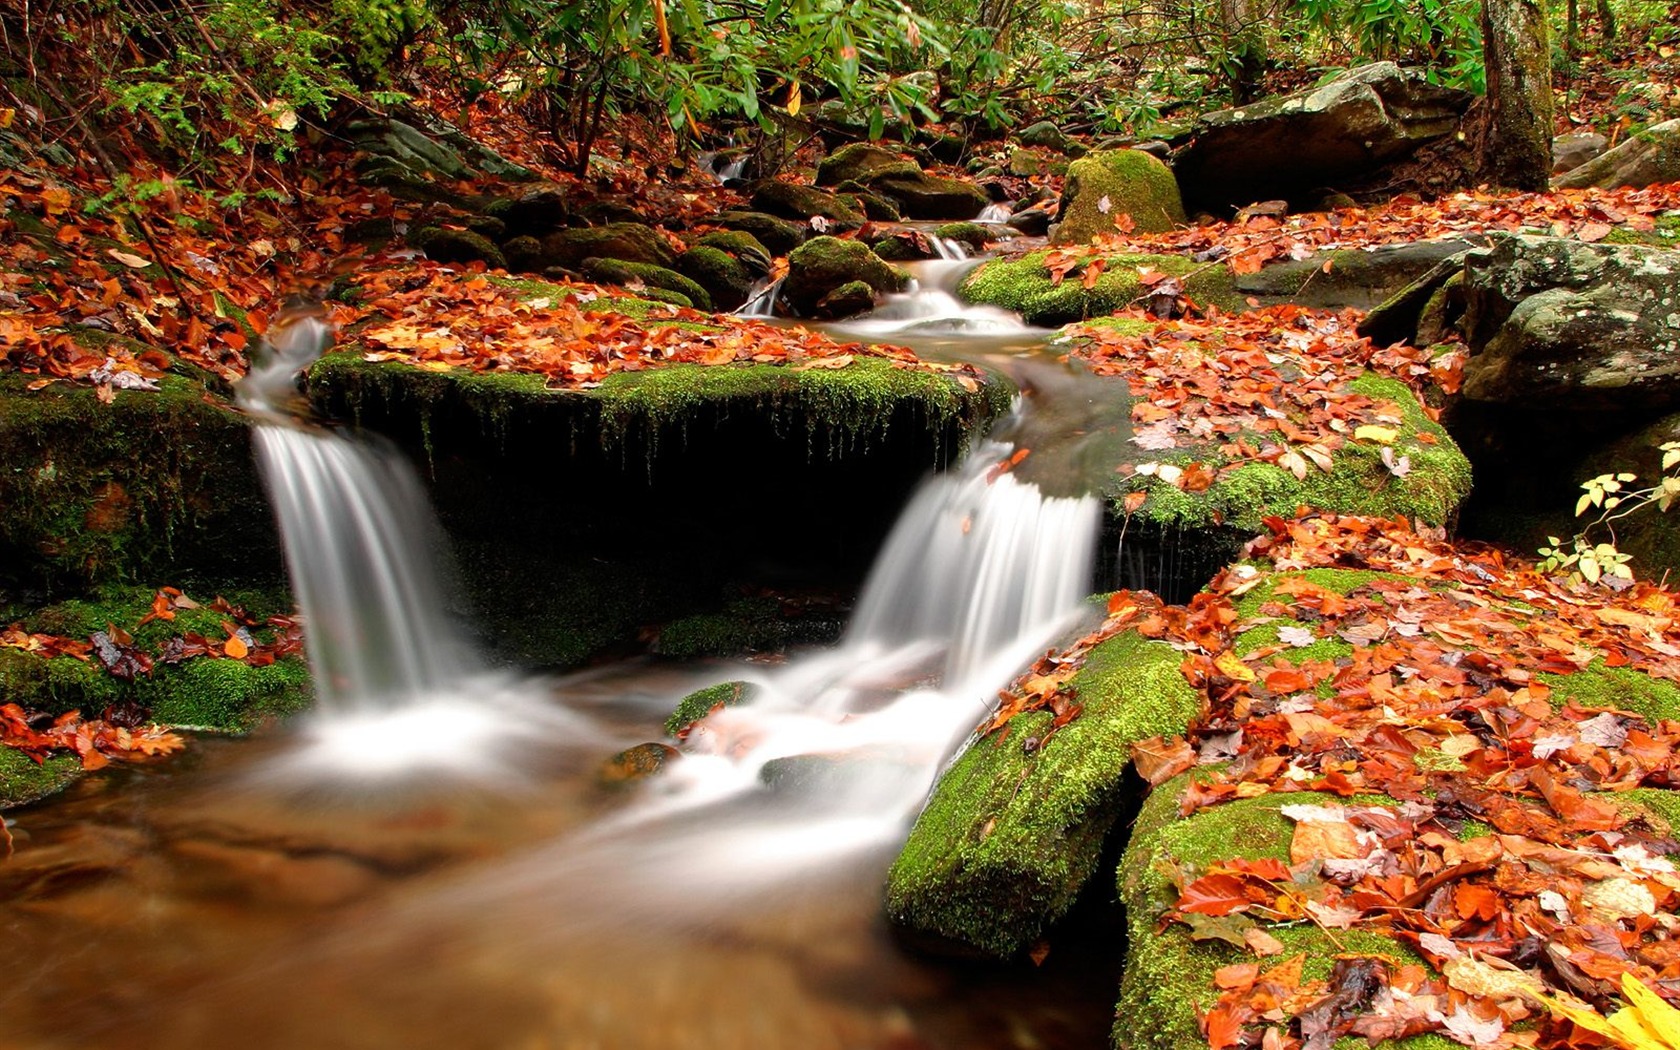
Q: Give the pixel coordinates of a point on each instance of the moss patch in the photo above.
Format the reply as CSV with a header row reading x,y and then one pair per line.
x,y
23,780
1359,483
149,486
1103,186
702,702
1621,688
1169,976
1025,286
1014,828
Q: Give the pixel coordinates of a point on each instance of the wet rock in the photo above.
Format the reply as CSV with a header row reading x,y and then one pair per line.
x,y
626,241
903,245
702,702
803,203
646,275
972,234
1034,222
457,246
636,763
276,877
725,279
777,234
1044,135
875,207
824,264
1361,279
534,209
861,162
1646,157
1575,149
923,196
743,247
853,297
1292,147
1104,186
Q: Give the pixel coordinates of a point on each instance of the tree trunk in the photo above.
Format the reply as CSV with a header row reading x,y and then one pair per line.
x,y
1517,52
1245,49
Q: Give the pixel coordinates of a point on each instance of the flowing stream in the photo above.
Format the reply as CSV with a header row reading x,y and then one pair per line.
x,y
730,901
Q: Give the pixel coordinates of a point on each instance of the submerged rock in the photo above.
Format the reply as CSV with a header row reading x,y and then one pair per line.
x,y
1292,147
636,763
1104,186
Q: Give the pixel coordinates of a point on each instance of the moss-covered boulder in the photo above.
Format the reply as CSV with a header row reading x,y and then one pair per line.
x,y
725,280
741,246
779,235
626,241
803,203
875,207
1026,286
923,196
1169,975
860,162
22,779
1015,827
1104,186
971,234
819,266
153,485
646,275
442,244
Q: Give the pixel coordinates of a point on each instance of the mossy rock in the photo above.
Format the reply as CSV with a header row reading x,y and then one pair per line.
x,y
875,207
819,266
202,692
155,485
1168,978
779,235
725,279
445,245
616,271
635,764
860,162
743,247
972,234
923,196
626,241
803,203
22,779
1025,286
1015,827
853,297
1103,186
702,702
1359,482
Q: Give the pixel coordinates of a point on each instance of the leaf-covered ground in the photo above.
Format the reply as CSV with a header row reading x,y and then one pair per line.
x,y
1483,723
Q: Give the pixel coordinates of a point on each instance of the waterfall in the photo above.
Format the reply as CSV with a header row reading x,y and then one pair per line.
x,y
994,213
948,249
761,299
396,685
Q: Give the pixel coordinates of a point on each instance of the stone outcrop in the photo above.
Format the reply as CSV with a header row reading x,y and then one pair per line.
x,y
825,264
1646,157
1294,147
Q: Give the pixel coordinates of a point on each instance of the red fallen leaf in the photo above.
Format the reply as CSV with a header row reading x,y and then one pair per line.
x,y
1219,894
1476,901
1000,469
1222,1028
1158,760
1594,231
1237,976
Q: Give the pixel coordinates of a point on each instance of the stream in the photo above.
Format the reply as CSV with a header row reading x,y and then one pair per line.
x,y
430,858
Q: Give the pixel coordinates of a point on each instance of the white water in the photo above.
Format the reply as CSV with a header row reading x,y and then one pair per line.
x,y
397,687
761,300
930,306
994,213
825,766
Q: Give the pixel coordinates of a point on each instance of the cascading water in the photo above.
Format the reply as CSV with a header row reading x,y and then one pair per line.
x,y
994,213
761,299
396,685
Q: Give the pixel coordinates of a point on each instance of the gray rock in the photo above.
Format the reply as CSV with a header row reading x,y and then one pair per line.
x,y
1575,149
1646,157
1044,135
1360,279
1292,147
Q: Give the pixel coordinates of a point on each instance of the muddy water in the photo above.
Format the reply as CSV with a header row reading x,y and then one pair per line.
x,y
194,904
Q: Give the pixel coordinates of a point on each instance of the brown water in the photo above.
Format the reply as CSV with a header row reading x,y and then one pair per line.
x,y
187,905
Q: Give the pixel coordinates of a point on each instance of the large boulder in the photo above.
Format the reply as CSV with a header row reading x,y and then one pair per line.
x,y
1575,149
1553,323
1360,278
1646,157
628,241
860,162
1293,147
778,235
1104,186
824,264
725,278
638,276
923,196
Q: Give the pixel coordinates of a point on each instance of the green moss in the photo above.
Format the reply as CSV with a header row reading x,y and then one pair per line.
x,y
1103,186
23,780
457,246
616,271
702,702
1665,234
1168,976
1659,807
641,309
970,233
148,486
1621,688
1024,285
210,693
1014,828
1359,483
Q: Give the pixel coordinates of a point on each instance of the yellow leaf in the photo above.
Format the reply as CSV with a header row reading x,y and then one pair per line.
x,y
1232,666
235,649
1372,432
1661,1019
793,100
